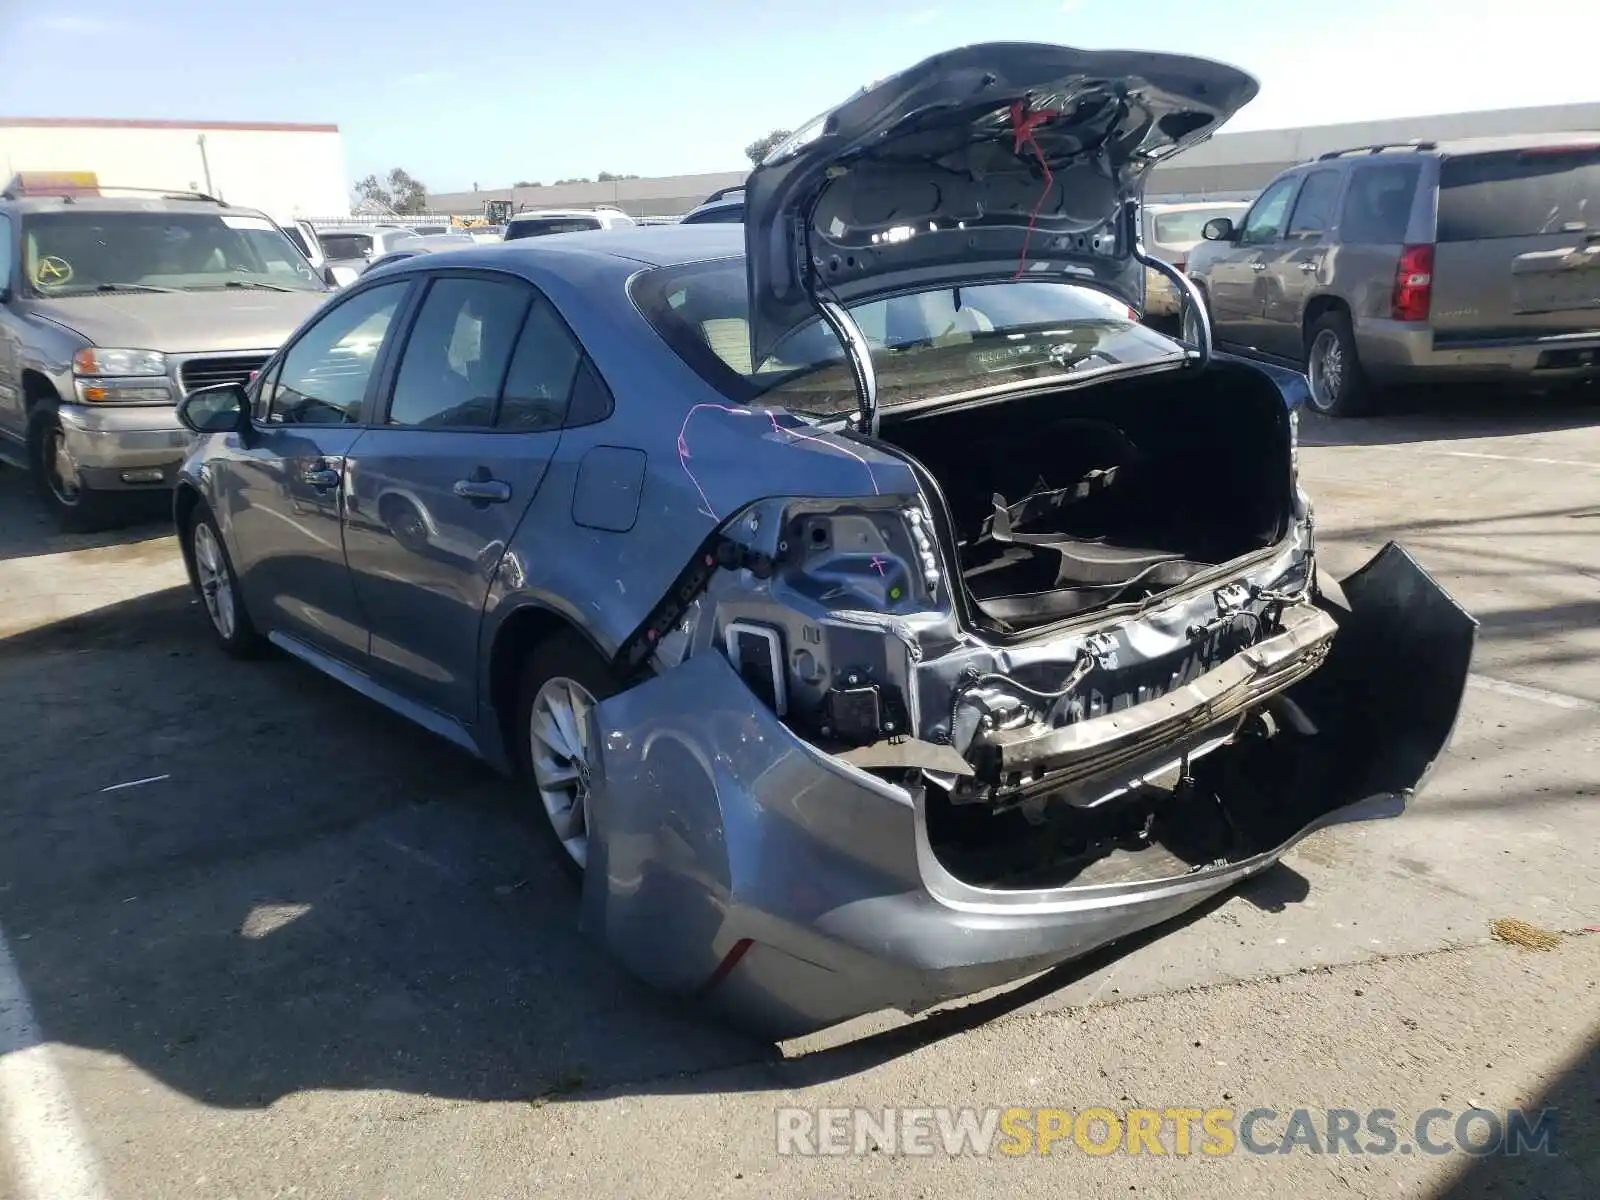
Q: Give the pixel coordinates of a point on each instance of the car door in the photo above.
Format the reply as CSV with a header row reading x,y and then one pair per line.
x,y
1297,264
1235,284
472,416
12,406
284,491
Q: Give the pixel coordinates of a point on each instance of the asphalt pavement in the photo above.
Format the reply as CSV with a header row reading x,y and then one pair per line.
x,y
258,938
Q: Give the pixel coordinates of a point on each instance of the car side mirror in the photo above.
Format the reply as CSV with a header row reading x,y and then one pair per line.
x,y
340,277
221,408
1218,229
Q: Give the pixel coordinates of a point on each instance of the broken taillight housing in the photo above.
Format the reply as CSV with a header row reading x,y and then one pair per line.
x,y
1413,284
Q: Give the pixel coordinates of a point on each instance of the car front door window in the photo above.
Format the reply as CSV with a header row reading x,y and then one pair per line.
x,y
1315,208
1265,221
456,356
324,376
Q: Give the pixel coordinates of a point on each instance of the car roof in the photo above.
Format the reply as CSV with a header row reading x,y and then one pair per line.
x,y
645,245
1452,147
1190,206
534,213
155,202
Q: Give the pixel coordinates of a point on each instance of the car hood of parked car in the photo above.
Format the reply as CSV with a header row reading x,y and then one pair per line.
x,y
986,163
184,322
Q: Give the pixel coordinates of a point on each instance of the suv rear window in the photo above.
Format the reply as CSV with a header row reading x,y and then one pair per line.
x,y
538,228
346,245
1519,193
1377,207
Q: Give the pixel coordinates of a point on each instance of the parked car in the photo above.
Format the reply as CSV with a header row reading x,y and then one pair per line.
x,y
1469,260
540,222
357,246
723,207
1171,231
856,652
427,244
114,302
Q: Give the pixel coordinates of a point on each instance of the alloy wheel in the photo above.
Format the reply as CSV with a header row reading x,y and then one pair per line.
x,y
1326,368
61,469
216,588
561,755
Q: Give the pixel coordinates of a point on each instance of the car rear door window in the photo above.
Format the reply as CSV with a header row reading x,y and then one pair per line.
x,y
7,257
539,383
324,376
347,245
1314,208
1377,206
541,227
456,356
1266,218
1519,193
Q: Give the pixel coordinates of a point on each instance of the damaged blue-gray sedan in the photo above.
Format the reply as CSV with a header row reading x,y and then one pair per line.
x,y
872,609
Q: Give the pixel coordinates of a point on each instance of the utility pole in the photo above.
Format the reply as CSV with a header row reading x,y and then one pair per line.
x,y
205,163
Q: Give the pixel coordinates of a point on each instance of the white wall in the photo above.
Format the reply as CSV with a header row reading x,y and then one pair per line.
x,y
286,172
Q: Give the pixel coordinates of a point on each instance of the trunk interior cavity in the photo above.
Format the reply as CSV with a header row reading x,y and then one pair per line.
x,y
1070,501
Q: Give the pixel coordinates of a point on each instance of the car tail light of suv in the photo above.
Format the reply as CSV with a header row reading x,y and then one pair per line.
x,y
1413,284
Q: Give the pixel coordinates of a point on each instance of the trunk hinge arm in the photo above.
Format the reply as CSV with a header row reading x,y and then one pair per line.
x,y
1189,294
859,355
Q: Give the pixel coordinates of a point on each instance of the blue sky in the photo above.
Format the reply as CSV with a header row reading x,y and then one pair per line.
x,y
497,90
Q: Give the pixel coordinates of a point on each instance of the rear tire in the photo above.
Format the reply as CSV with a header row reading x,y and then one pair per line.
x,y
1339,387
56,481
218,587
562,678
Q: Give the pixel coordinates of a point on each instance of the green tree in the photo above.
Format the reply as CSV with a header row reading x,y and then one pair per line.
x,y
761,147
398,192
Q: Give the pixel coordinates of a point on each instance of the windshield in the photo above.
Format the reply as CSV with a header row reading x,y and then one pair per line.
x,y
1184,228
72,253
930,344
346,245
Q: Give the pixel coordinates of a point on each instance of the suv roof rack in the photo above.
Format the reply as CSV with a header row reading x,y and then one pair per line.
x,y
1379,148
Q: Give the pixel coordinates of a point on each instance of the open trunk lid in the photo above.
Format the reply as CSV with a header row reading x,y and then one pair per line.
x,y
1518,249
983,164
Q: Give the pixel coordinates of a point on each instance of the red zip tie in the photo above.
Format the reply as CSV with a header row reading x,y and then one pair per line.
x,y
1023,123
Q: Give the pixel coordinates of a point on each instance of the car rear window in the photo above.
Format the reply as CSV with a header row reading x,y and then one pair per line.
x,y
1377,208
1519,193
927,344
538,228
346,245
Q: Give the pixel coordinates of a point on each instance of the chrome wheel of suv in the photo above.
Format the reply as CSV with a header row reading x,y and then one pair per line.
x,y
61,469
1326,369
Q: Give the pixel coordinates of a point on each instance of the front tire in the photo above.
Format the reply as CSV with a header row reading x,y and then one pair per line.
x,y
218,587
1339,386
57,482
562,680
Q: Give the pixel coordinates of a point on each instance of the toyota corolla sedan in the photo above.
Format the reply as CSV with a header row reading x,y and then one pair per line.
x,y
872,610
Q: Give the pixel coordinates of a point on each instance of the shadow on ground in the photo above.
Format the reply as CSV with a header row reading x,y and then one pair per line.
x,y
250,882
27,529
1573,1169
1432,414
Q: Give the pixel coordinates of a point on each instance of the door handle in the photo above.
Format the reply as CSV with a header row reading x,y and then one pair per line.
x,y
321,478
483,491
1258,266
1309,267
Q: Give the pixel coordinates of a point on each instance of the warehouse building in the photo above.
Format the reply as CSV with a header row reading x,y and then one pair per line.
x,y
285,170
1229,166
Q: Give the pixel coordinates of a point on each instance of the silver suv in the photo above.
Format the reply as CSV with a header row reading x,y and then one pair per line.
x,y
1471,260
111,309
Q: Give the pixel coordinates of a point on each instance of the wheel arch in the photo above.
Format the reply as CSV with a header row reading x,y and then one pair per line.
x,y
530,625
1318,307
186,501
37,389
